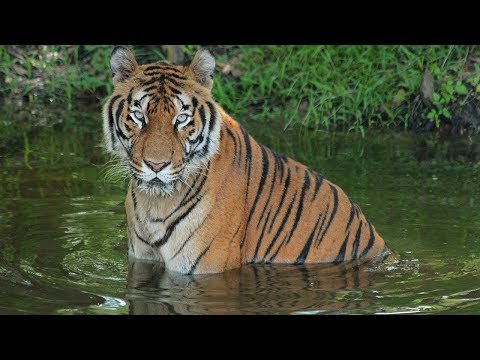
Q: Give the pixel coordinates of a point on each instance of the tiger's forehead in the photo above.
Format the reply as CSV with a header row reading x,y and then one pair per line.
x,y
140,99
159,87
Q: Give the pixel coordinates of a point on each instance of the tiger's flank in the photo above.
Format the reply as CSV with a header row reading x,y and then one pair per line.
x,y
204,196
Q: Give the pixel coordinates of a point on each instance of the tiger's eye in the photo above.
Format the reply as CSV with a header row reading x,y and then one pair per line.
x,y
138,114
182,118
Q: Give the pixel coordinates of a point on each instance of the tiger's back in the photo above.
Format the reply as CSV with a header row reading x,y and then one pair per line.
x,y
292,214
205,197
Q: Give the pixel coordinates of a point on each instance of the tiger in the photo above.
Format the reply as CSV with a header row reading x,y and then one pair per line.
x,y
204,196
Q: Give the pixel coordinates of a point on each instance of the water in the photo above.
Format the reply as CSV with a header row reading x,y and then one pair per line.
x,y
63,228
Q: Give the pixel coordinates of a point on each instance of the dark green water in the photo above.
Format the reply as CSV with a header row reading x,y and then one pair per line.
x,y
63,228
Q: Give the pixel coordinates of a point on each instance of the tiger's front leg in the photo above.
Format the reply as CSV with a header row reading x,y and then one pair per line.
x,y
137,246
139,250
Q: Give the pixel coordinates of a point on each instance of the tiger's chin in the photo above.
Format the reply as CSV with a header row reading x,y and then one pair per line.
x,y
158,188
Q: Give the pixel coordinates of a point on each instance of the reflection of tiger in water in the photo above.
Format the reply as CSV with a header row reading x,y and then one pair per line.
x,y
204,196
259,289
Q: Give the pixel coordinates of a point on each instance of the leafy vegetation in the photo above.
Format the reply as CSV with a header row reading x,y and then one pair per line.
x,y
322,87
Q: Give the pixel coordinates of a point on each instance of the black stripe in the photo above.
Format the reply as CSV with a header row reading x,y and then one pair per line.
x,y
111,120
134,198
341,253
162,241
156,74
284,195
178,92
140,238
332,214
211,125
324,218
248,166
161,67
239,150
203,117
213,117
191,189
318,184
263,178
179,77
188,239
352,214
119,111
194,266
279,162
143,97
129,98
371,240
176,172
122,135
174,82
230,133
248,155
272,185
277,251
202,150
198,139
185,200
182,246
150,88
156,79
306,249
284,221
259,241
118,131
305,187
200,187
356,241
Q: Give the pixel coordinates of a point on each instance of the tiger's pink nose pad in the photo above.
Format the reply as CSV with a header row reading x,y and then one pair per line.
x,y
156,166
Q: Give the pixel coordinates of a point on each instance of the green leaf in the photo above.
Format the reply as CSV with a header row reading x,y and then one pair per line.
x,y
449,87
446,113
460,88
436,97
477,89
431,114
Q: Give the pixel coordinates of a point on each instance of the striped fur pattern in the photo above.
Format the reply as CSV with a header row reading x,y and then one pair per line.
x,y
204,196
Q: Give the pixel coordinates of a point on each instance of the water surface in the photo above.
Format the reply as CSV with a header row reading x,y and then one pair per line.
x,y
63,247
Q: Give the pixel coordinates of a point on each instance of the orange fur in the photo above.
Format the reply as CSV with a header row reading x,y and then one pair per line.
x,y
224,200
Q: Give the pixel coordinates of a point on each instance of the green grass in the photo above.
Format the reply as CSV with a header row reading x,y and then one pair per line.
x,y
322,87
349,87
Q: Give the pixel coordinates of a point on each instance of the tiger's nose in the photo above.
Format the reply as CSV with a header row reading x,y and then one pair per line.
x,y
156,166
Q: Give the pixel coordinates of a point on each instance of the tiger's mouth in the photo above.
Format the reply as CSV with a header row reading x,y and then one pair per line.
x,y
156,182
156,186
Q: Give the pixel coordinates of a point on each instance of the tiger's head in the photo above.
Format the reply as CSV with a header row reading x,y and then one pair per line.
x,y
161,121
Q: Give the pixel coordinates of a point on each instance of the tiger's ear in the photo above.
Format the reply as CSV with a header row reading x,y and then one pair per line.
x,y
202,68
122,63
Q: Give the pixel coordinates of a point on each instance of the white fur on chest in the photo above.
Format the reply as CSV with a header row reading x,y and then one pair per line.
x,y
171,240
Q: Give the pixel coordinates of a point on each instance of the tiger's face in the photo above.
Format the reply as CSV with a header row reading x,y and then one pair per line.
x,y
161,121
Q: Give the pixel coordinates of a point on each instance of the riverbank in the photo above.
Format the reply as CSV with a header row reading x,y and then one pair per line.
x,y
344,88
